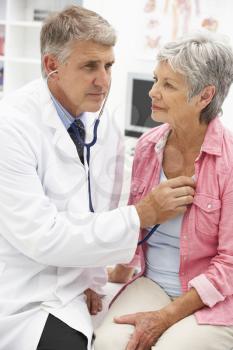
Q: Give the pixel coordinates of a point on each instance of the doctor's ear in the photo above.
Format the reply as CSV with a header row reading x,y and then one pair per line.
x,y
50,65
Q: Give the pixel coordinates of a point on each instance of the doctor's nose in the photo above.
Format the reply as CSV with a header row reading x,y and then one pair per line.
x,y
103,79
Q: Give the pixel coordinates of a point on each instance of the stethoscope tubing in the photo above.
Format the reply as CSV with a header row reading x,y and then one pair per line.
x,y
88,148
94,139
87,145
149,234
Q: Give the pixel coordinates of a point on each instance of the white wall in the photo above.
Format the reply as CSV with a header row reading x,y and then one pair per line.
x,y
124,15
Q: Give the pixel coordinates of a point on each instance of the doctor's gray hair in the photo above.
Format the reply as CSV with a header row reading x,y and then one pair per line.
x,y
61,29
204,59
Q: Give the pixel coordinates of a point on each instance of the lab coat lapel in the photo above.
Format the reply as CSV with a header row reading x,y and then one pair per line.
x,y
61,139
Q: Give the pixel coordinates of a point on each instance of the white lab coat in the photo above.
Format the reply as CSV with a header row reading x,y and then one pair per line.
x,y
51,247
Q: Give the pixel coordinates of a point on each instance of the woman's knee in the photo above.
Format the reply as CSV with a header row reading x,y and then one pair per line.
x,y
188,334
114,337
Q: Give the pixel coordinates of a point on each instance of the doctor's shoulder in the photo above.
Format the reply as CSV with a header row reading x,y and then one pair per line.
x,y
21,104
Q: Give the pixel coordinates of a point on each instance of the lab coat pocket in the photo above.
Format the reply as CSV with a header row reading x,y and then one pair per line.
x,y
208,210
137,190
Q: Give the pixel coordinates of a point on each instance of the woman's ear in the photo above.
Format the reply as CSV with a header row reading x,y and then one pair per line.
x,y
206,96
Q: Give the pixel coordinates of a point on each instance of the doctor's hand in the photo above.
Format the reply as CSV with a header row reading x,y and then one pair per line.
x,y
167,200
94,302
120,273
149,326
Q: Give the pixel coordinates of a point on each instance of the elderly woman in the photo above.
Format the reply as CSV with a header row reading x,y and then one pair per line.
x,y
182,298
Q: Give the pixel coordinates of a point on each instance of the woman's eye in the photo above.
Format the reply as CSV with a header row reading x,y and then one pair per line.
x,y
168,85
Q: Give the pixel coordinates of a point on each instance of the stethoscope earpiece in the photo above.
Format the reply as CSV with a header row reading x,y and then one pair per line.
x,y
52,72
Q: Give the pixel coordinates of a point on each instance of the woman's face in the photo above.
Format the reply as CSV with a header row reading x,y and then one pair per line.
x,y
169,96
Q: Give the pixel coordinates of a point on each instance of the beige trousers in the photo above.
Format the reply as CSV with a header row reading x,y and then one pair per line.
x,y
145,295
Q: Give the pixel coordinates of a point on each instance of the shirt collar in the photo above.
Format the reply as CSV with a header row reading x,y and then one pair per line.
x,y
66,117
213,138
212,142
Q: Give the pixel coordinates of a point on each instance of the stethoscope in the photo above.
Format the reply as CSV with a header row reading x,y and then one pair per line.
x,y
89,144
88,148
149,234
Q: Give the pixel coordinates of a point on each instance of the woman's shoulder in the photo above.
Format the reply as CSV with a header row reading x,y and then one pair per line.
x,y
220,140
227,148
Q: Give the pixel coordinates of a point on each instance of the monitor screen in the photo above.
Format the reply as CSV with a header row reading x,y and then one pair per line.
x,y
138,110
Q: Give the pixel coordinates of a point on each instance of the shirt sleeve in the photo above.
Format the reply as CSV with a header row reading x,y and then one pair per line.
x,y
216,282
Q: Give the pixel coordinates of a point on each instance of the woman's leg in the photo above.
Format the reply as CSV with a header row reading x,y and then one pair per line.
x,y
59,336
141,295
188,334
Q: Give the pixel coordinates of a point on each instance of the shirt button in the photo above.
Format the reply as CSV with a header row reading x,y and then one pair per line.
x,y
185,237
185,258
209,206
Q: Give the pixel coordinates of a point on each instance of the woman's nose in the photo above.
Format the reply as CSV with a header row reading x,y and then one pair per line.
x,y
155,91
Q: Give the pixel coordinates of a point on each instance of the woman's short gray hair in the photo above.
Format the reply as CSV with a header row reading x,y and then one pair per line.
x,y
61,29
204,59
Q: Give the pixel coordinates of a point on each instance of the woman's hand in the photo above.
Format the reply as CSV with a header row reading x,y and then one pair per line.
x,y
120,274
149,326
94,302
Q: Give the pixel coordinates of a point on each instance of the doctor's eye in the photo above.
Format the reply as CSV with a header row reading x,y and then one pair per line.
x,y
91,66
108,66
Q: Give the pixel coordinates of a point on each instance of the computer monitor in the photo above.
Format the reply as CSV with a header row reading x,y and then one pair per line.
x,y
138,104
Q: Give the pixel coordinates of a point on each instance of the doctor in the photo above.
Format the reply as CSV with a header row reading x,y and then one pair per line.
x,y
52,245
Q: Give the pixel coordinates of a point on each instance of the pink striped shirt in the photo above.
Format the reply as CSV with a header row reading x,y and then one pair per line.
x,y
206,238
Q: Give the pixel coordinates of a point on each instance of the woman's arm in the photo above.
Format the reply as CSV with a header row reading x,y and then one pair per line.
x,y
182,307
216,282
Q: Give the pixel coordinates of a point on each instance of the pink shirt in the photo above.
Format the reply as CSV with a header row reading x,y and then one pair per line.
x,y
206,238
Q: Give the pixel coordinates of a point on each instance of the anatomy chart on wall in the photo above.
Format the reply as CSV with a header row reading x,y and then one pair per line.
x,y
165,20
